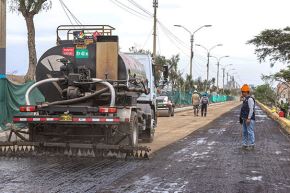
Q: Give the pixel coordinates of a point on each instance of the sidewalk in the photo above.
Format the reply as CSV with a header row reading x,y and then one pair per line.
x,y
177,110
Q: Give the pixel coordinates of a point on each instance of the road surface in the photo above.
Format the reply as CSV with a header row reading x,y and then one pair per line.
x,y
208,160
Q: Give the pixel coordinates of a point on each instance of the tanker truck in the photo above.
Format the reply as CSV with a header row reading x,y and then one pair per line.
x,y
98,101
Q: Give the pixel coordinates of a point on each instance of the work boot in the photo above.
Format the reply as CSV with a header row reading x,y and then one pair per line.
x,y
244,146
252,146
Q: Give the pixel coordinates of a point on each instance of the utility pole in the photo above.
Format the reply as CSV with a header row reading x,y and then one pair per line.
x,y
207,67
227,79
217,76
155,6
224,79
208,56
2,38
191,53
218,68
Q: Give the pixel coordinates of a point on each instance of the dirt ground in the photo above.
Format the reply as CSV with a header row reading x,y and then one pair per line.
x,y
209,159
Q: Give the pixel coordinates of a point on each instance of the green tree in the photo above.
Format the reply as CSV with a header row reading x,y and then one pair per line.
x,y
273,44
179,83
28,9
160,61
266,94
283,76
174,74
199,84
189,83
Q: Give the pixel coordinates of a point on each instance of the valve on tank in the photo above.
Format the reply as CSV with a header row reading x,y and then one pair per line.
x,y
76,80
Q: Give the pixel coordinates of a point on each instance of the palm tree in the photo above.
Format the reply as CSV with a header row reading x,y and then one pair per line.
x,y
29,8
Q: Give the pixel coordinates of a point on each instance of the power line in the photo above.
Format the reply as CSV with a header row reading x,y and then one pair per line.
x,y
182,43
129,9
65,12
176,41
141,8
147,39
159,45
169,33
73,16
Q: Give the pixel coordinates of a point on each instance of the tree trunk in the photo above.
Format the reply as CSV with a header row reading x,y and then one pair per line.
x,y
30,75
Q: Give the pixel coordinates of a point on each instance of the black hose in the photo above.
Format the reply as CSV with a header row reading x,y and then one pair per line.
x,y
70,101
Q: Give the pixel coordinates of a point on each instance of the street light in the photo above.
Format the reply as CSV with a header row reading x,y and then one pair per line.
x,y
218,68
233,69
191,42
224,70
208,55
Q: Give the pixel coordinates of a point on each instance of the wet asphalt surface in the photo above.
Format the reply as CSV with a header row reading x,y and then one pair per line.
x,y
208,160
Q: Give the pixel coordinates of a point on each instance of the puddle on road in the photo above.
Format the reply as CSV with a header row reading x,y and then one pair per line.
x,y
211,143
260,120
186,154
169,166
155,184
284,159
217,131
255,178
262,116
195,154
201,141
254,172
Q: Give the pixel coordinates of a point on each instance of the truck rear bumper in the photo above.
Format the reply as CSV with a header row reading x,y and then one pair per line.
x,y
73,120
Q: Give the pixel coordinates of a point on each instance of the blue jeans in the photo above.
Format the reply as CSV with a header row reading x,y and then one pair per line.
x,y
248,133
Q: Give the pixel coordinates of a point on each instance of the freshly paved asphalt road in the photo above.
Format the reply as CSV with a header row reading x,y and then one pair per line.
x,y
208,160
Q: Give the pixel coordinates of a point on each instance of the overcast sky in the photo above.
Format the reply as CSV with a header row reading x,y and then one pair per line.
x,y
234,22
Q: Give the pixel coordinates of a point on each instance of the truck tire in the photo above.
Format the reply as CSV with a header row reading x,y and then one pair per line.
x,y
127,133
133,130
172,112
149,132
169,112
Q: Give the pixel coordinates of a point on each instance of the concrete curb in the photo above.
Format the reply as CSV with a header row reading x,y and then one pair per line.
x,y
283,122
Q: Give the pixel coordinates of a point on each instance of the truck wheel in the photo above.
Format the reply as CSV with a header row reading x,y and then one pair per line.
x,y
169,112
172,112
133,130
149,132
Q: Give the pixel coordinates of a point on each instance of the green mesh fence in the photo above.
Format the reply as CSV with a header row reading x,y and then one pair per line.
x,y
184,98
12,96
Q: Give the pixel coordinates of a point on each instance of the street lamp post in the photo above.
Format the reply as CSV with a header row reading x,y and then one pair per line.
x,y
218,68
224,70
224,73
228,74
234,80
191,42
208,56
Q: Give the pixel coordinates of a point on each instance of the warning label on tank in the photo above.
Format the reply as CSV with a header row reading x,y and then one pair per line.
x,y
68,51
82,53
